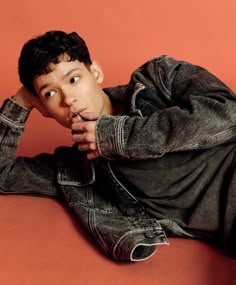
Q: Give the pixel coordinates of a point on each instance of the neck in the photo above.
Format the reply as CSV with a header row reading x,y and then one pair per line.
x,y
111,107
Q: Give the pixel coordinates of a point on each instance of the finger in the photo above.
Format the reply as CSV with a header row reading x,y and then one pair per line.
x,y
88,116
83,126
87,146
73,132
83,138
93,154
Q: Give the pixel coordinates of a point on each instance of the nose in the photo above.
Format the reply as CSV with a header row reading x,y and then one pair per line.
x,y
68,97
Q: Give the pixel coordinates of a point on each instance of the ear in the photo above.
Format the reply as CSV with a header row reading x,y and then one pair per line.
x,y
97,71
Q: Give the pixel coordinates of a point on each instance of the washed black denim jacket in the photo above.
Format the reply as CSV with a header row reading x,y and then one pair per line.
x,y
175,114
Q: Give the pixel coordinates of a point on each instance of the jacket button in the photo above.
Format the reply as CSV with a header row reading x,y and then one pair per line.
x,y
149,234
130,211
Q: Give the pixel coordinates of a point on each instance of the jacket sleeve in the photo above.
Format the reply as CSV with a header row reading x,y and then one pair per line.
x,y
192,109
21,175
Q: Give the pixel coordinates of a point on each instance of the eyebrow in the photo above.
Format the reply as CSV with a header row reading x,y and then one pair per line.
x,y
66,75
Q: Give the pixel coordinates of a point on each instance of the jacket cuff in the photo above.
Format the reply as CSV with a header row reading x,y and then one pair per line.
x,y
14,114
110,136
139,246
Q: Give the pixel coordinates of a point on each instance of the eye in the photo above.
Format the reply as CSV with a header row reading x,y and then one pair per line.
x,y
74,79
49,93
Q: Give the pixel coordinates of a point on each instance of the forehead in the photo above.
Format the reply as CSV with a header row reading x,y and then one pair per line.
x,y
58,72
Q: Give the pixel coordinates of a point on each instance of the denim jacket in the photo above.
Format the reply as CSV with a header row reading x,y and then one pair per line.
x,y
174,106
171,106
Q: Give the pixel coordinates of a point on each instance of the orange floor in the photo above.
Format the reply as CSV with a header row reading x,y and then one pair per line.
x,y
41,245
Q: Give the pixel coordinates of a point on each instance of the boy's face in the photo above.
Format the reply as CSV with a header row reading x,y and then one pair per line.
x,y
71,90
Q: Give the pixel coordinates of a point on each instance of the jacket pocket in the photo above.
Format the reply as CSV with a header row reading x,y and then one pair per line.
x,y
73,168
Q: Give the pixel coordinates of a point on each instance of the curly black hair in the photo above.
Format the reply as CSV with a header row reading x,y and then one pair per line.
x,y
38,53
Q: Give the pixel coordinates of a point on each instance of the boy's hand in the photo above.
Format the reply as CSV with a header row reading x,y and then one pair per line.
x,y
83,132
24,97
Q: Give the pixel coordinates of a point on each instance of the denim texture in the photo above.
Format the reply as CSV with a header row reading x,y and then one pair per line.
x,y
173,106
123,230
167,162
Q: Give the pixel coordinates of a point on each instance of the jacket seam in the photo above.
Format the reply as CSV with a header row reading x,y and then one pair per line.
x,y
10,123
226,133
163,85
119,145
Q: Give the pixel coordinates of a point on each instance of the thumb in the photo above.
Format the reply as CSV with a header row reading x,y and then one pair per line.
x,y
88,116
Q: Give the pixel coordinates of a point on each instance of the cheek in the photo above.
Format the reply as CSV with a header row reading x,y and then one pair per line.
x,y
51,105
48,109
52,112
89,89
59,116
55,113
95,97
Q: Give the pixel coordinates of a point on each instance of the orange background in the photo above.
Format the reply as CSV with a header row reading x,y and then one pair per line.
x,y
121,35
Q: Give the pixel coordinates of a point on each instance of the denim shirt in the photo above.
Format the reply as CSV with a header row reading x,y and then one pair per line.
x,y
171,107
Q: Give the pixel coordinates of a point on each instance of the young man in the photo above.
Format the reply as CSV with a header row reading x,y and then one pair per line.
x,y
151,159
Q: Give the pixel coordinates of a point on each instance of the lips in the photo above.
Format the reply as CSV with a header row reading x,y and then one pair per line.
x,y
74,115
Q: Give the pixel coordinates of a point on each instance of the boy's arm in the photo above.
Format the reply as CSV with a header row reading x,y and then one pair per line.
x,y
13,115
21,175
12,121
192,109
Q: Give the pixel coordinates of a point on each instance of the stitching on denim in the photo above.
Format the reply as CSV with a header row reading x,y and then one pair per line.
x,y
10,123
140,231
119,146
138,87
163,85
226,133
94,229
3,132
